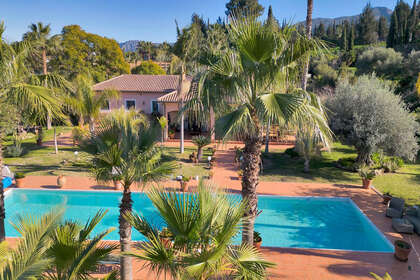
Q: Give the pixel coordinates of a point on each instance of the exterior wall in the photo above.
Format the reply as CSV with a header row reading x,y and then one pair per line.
x,y
143,101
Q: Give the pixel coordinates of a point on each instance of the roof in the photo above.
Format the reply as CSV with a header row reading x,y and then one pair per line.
x,y
140,83
173,97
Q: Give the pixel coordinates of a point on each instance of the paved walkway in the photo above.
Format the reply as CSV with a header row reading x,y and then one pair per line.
x,y
296,264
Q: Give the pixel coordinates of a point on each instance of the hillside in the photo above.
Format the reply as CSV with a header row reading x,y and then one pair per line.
x,y
378,11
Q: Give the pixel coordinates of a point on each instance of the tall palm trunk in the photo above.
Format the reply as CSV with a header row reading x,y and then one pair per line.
x,y
308,35
251,169
2,210
212,122
45,71
125,235
306,165
91,126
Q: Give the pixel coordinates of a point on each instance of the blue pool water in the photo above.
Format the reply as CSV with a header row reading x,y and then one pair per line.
x,y
296,222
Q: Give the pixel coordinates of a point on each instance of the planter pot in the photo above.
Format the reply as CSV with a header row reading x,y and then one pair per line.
x,y
366,183
386,198
117,185
257,244
184,186
20,182
61,181
402,250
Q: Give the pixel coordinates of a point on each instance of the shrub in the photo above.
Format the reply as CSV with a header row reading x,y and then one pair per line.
x,y
148,68
347,163
15,150
79,134
392,164
291,152
19,175
325,75
382,61
369,116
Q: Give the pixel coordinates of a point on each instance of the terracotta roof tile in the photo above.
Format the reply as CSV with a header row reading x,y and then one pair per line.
x,y
140,83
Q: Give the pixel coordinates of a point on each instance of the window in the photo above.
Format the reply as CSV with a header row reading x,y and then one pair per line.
x,y
105,106
130,104
155,106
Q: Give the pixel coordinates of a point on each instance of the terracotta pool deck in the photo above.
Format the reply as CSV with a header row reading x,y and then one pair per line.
x,y
296,264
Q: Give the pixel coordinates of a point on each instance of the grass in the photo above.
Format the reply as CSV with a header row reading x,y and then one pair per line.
x,y
42,160
279,167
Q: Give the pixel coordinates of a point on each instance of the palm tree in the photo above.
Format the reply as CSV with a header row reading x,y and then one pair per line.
x,y
74,253
50,250
309,36
18,89
86,102
201,226
248,75
39,36
127,152
201,141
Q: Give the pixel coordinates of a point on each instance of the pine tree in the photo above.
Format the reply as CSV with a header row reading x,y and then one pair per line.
x,y
244,7
382,28
367,26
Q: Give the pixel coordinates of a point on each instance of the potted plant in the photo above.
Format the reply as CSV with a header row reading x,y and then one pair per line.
x,y
19,178
367,175
171,134
184,183
240,174
387,197
61,181
257,240
211,174
165,235
402,250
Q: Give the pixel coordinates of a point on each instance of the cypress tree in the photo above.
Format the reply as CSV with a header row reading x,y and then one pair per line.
x,y
412,23
321,30
271,21
393,31
367,26
352,36
382,28
344,45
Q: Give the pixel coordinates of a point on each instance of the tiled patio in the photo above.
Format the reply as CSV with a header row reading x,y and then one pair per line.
x,y
297,263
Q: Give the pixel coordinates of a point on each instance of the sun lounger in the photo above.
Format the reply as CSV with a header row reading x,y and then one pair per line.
x,y
402,225
413,215
395,208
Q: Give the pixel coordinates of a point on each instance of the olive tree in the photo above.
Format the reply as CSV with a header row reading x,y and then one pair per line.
x,y
369,116
382,61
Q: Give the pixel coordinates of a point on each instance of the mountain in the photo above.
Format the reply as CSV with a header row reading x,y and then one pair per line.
x,y
129,46
377,11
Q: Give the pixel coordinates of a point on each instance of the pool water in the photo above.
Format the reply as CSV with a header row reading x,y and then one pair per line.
x,y
295,222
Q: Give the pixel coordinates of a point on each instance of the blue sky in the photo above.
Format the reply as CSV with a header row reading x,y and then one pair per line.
x,y
151,20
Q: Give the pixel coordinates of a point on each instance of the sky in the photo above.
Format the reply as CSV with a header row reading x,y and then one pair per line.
x,y
151,20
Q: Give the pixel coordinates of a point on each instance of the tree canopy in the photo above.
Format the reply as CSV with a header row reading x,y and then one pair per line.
x,y
148,68
244,7
86,52
369,116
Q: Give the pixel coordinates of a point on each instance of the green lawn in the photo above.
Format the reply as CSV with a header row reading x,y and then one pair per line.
x,y
43,160
279,167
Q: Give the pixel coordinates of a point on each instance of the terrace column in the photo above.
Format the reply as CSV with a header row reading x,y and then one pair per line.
x,y
165,131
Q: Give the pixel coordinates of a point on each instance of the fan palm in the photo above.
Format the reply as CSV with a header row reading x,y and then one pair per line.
x,y
50,250
28,260
17,89
203,225
87,103
261,62
201,141
74,253
127,152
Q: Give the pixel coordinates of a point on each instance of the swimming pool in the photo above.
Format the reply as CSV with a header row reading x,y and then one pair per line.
x,y
295,222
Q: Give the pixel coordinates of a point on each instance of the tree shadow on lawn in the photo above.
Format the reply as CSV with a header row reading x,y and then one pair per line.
x,y
278,166
50,169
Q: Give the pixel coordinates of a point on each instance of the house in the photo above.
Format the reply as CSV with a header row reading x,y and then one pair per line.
x,y
150,94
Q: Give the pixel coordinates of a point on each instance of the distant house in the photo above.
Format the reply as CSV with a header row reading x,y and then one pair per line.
x,y
150,94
